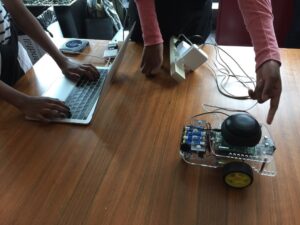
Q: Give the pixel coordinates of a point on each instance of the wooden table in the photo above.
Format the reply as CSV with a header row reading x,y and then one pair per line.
x,y
124,168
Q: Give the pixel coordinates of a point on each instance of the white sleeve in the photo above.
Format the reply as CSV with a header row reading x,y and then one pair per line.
x,y
23,58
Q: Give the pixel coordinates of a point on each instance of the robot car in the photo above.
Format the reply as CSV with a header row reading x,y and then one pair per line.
x,y
239,146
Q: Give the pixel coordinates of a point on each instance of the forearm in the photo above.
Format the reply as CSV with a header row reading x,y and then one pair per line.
x,y
29,25
149,23
11,95
258,18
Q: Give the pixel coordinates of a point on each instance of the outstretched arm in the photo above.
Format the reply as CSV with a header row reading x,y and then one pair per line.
x,y
258,18
40,108
30,26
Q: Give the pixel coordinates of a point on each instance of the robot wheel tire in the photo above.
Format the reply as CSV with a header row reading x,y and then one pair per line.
x,y
237,174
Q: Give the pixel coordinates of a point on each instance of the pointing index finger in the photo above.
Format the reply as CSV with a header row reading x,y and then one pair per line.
x,y
274,102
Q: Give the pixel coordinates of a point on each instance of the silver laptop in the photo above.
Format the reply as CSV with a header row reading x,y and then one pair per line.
x,y
83,96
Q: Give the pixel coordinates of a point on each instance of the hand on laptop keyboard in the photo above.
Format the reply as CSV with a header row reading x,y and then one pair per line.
x,y
43,109
83,97
75,71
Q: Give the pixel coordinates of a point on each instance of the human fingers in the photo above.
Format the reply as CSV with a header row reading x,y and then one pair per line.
x,y
53,110
51,114
143,59
73,76
56,102
156,69
257,93
150,66
152,59
268,87
91,70
90,66
42,118
274,103
82,71
58,108
146,66
251,94
146,69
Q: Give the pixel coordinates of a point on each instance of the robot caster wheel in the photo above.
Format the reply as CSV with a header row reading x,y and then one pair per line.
x,y
237,174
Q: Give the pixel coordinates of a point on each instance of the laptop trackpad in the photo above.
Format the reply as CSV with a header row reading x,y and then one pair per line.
x,y
60,89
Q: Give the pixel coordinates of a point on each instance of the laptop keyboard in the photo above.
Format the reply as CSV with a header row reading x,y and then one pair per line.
x,y
83,96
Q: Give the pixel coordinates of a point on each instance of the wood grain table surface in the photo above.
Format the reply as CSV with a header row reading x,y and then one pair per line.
x,y
124,168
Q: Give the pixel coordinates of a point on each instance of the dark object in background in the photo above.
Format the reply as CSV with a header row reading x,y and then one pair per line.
x,y
47,18
99,28
191,17
231,29
293,37
69,13
73,18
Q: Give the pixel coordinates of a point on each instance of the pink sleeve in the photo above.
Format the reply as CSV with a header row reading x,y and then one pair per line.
x,y
258,18
149,23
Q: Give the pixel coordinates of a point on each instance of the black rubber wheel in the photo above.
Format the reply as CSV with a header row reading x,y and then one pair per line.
x,y
237,174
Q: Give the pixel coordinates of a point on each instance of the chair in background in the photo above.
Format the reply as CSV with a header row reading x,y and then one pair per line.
x,y
231,29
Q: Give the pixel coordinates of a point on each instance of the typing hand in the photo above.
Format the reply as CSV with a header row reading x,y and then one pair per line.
x,y
268,86
152,59
74,70
44,109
